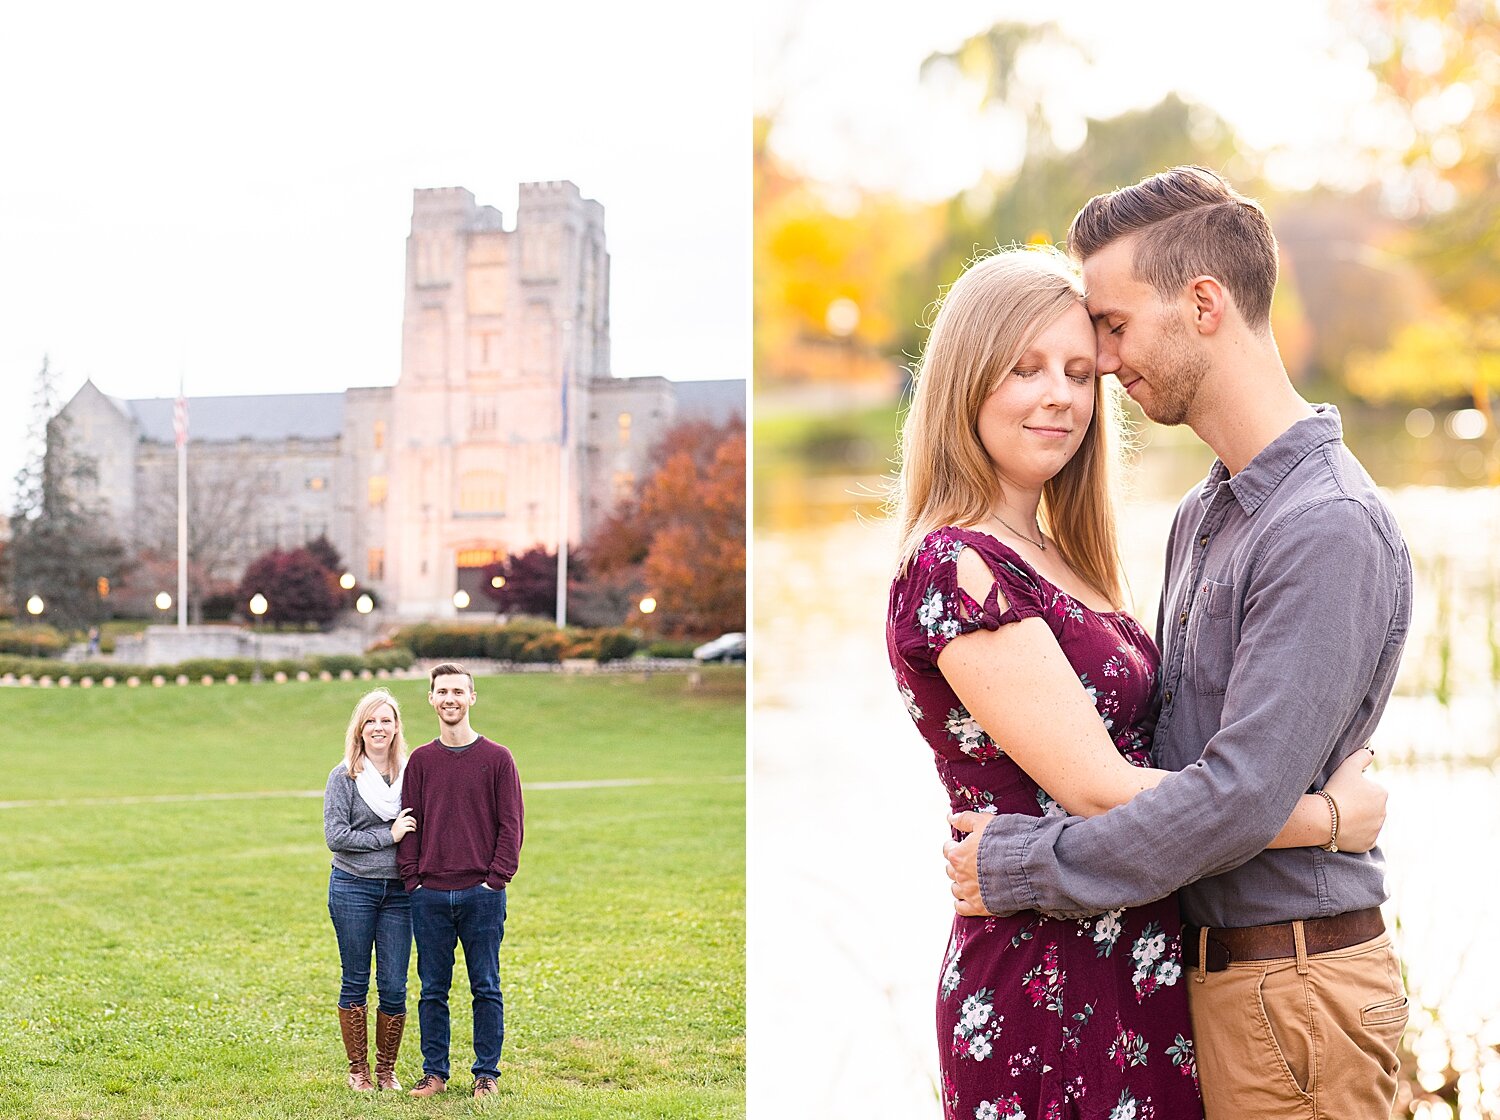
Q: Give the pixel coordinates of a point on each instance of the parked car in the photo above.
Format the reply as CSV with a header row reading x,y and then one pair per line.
x,y
726,647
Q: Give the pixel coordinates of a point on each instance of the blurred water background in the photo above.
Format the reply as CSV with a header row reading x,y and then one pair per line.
x,y
1389,227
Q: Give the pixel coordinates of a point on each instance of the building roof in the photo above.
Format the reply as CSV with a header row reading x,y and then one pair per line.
x,y
717,401
225,419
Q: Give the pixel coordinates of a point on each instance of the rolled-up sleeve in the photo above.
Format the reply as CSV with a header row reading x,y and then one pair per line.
x,y
1321,606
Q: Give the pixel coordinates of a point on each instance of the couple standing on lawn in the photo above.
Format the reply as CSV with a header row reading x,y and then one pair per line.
x,y
424,847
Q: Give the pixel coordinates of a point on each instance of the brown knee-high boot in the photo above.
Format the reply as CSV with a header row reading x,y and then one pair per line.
x,y
388,1030
354,1026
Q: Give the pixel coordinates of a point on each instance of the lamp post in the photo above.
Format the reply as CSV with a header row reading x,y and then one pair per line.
x,y
258,607
364,605
35,607
647,607
460,599
163,601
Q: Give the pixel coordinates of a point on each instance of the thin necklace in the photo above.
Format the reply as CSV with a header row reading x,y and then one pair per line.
x,y
1041,544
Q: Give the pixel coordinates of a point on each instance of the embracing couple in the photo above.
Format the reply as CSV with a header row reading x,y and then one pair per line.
x,y
425,846
1097,771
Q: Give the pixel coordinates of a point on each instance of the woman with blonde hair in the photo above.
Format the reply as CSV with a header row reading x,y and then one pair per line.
x,y
1033,688
362,822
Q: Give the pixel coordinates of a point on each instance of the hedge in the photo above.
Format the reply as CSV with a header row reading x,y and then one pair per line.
x,y
216,667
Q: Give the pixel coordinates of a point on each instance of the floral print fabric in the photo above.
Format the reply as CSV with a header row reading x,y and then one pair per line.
x,y
1042,1018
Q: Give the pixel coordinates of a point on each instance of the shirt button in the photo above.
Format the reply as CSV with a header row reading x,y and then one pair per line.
x,y
1184,618
1203,539
1167,699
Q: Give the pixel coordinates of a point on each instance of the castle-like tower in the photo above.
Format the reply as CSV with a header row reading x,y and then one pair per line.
x,y
502,331
461,462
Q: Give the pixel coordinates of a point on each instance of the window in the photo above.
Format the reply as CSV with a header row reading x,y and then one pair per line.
x,y
623,484
624,429
375,564
379,434
481,492
477,557
378,489
316,483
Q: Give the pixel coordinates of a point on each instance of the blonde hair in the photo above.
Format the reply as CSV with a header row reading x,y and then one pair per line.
x,y
988,318
354,740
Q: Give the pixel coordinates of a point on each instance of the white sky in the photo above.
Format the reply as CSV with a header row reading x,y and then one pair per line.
x,y
224,191
842,77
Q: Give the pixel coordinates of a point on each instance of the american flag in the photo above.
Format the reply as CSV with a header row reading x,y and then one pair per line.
x,y
180,419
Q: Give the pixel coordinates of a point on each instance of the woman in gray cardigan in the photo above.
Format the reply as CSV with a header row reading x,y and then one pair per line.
x,y
362,821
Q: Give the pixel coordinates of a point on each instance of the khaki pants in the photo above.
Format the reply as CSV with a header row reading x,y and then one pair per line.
x,y
1313,1038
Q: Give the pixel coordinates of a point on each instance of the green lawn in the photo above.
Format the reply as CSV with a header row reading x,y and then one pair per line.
x,y
175,959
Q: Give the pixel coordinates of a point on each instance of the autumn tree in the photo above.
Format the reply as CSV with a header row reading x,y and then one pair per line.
x,y
60,548
681,539
528,583
298,587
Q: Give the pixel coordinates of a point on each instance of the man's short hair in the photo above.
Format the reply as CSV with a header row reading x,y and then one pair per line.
x,y
448,669
1190,223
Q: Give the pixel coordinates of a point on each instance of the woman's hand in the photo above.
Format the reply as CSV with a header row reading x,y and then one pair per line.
x,y
405,823
1361,802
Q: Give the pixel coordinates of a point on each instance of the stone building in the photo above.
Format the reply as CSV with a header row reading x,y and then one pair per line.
x,y
504,430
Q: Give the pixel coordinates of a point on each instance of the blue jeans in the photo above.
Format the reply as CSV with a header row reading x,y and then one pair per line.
x,y
371,914
440,920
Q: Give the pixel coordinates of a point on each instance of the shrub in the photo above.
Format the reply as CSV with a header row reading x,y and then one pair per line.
x,y
544,647
672,647
23,640
616,645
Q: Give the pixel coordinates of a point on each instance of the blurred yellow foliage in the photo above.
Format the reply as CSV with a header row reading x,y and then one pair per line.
x,y
827,266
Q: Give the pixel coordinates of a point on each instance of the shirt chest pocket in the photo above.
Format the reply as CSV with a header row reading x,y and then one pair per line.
x,y
1210,638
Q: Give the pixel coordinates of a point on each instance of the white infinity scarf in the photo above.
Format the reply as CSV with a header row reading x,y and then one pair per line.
x,y
384,800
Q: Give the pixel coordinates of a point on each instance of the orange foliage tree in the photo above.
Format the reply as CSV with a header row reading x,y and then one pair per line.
x,y
681,537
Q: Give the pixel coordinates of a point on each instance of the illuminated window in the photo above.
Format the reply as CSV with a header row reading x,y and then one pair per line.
x,y
624,429
379,434
378,489
375,564
481,492
477,557
316,483
623,483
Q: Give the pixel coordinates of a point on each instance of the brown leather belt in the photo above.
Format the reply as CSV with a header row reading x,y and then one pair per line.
x,y
1269,943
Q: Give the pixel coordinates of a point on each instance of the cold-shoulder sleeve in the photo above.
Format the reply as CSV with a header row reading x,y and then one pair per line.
x,y
929,609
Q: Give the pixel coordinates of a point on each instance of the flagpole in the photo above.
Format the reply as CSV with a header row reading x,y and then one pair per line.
x,y
562,483
179,424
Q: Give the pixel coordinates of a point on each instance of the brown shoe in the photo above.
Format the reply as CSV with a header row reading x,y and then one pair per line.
x,y
388,1029
429,1086
486,1087
354,1026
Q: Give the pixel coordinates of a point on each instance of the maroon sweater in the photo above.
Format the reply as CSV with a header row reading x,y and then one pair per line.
x,y
469,817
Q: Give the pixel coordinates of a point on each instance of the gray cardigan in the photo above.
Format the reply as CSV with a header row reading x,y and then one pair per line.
x,y
359,840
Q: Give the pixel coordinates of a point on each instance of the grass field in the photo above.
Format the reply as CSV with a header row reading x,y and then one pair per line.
x,y
174,958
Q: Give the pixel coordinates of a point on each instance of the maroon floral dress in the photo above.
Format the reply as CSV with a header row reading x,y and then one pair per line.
x,y
1043,1018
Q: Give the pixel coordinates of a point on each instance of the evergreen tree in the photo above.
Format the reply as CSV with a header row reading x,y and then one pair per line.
x,y
60,548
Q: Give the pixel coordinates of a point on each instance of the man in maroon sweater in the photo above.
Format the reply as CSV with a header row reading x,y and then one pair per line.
x,y
466,796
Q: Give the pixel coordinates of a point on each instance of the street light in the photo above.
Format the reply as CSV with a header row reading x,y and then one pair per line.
x,y
258,607
163,601
364,605
497,582
648,604
347,581
460,598
35,607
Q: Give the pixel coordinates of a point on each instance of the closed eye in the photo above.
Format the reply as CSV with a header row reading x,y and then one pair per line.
x,y
1117,330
